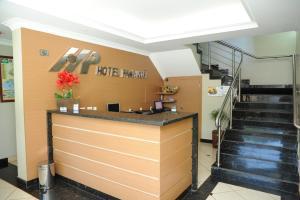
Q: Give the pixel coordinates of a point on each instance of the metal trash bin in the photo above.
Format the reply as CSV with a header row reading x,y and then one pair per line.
x,y
46,172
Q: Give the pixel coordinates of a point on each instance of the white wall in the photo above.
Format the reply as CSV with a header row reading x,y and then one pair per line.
x,y
298,56
7,120
176,63
267,72
298,85
209,103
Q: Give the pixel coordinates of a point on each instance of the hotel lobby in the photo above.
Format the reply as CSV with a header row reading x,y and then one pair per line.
x,y
155,100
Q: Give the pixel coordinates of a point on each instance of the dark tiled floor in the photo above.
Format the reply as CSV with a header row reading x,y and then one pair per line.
x,y
65,191
203,192
61,191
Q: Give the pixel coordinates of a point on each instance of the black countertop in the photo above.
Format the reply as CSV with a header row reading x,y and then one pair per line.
x,y
158,119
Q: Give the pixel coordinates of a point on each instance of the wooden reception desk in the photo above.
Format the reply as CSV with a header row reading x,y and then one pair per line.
x,y
128,156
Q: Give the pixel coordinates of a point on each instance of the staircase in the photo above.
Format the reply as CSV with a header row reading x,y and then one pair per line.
x,y
260,151
215,71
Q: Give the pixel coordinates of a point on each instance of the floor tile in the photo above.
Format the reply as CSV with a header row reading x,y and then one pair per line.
x,y
235,188
222,187
4,184
19,194
203,174
201,180
210,198
5,192
227,196
248,194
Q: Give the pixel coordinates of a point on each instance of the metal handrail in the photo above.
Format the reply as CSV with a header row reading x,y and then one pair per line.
x,y
296,114
217,60
237,76
227,97
215,52
219,55
249,54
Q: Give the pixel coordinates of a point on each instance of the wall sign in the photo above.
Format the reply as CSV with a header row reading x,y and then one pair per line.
x,y
74,56
7,89
123,73
218,91
44,52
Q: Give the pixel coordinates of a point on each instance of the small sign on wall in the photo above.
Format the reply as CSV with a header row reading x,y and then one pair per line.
x,y
217,91
44,52
118,72
7,89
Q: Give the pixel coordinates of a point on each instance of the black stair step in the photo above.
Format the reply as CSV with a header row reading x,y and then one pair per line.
x,y
287,142
267,91
219,72
269,153
215,77
256,182
263,115
273,127
205,67
214,67
226,80
249,126
266,98
205,71
275,170
288,107
265,110
270,86
265,120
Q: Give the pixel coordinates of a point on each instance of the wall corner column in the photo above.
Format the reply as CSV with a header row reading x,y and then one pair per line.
x,y
19,104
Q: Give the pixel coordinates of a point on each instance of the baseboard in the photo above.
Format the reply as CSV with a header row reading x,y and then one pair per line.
x,y
85,188
104,195
206,141
28,184
3,162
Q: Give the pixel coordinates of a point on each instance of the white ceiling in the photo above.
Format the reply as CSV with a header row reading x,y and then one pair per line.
x,y
147,21
175,63
145,26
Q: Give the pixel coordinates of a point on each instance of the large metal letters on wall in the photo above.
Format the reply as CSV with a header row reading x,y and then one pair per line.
x,y
74,56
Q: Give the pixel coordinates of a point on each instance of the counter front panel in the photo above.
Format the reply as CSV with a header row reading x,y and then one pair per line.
x,y
125,160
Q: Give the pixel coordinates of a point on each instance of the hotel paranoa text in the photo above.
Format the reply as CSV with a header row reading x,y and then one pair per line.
x,y
120,72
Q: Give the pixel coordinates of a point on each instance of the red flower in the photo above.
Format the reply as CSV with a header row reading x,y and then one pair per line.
x,y
66,80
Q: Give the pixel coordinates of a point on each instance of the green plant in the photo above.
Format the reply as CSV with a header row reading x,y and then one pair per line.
x,y
214,114
64,83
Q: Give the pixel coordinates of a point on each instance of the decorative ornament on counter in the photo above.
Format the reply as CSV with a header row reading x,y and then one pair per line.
x,y
65,83
168,89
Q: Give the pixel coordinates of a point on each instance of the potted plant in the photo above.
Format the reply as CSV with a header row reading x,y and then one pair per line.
x,y
214,133
65,82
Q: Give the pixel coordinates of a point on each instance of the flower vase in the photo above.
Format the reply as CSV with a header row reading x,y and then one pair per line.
x,y
68,103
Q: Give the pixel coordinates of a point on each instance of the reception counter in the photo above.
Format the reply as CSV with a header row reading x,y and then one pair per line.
x,y
126,155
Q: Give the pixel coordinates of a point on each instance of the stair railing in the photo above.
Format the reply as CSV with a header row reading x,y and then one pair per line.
x,y
223,119
234,93
296,93
212,54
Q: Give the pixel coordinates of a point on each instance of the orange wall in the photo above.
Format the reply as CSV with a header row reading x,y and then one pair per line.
x,y
39,86
189,96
